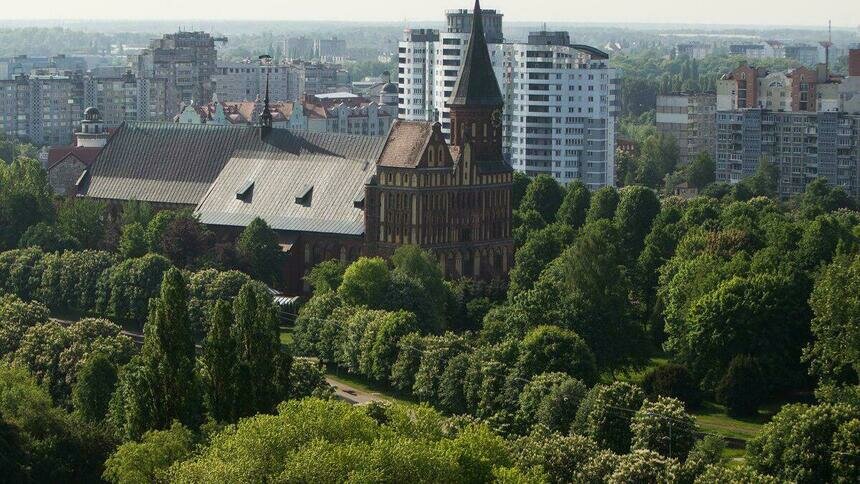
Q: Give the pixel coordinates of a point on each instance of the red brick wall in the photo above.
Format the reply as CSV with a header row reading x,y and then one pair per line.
x,y
854,62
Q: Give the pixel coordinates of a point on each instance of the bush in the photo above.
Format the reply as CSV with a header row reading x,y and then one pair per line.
x,y
550,348
644,466
664,427
48,238
672,381
742,388
604,415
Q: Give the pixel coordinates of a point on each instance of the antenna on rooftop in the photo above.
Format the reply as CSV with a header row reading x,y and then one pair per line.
x,y
827,45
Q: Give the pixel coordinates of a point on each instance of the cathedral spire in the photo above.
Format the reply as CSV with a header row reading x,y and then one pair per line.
x,y
477,85
266,115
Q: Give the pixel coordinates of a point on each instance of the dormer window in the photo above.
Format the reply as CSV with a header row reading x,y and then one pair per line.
x,y
245,191
303,196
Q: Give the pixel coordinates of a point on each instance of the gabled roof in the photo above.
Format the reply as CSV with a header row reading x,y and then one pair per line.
x,y
85,154
302,181
164,162
177,163
477,85
406,143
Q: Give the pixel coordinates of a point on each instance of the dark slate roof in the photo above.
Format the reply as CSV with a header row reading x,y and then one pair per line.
x,y
296,181
477,85
592,51
406,142
164,162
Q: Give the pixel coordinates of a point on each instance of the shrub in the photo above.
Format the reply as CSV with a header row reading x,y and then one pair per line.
x,y
741,390
672,381
664,427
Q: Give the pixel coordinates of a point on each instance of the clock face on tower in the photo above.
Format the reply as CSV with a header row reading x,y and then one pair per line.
x,y
496,118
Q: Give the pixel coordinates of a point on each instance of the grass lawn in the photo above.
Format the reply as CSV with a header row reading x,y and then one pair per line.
x,y
360,383
286,336
712,418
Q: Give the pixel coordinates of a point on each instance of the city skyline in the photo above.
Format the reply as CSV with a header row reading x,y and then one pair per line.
x,y
728,12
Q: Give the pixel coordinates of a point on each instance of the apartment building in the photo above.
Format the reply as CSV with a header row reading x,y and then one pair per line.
x,y
22,65
798,89
288,81
44,107
690,118
803,145
561,99
186,60
122,96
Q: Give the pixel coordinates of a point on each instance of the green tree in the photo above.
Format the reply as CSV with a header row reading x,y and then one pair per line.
x,y
574,207
636,211
326,276
834,353
644,466
96,382
664,427
219,364
672,380
132,243
543,195
135,211
125,289
259,354
743,388
550,348
365,283
47,237
702,171
85,219
797,444
604,415
149,460
259,249
521,182
166,364
765,181
539,249
16,317
550,399
25,199
604,201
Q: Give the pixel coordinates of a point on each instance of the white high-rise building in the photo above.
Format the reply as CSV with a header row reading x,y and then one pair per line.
x,y
561,99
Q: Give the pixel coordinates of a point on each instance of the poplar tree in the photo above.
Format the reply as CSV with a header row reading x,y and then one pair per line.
x,y
219,364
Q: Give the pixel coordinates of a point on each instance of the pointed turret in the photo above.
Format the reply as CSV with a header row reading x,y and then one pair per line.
x,y
477,84
476,101
266,115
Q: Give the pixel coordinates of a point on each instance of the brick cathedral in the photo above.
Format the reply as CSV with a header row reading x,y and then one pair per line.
x,y
336,196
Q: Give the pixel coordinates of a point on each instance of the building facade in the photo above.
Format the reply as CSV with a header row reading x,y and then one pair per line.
x,y
690,118
186,60
561,99
803,145
288,81
43,107
22,65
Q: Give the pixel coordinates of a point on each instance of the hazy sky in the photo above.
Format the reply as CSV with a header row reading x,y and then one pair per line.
x,y
844,13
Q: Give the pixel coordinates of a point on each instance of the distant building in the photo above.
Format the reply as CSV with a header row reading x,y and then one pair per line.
x,y
803,145
694,50
799,89
330,50
771,49
22,65
186,60
43,107
805,54
299,48
123,96
690,118
322,113
288,81
562,99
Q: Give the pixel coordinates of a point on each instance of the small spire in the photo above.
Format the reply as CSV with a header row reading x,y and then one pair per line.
x,y
266,115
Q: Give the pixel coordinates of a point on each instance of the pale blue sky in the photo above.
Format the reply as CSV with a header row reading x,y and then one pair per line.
x,y
844,13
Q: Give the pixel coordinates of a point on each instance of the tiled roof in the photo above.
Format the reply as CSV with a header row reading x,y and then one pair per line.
x,y
165,162
406,143
86,154
296,181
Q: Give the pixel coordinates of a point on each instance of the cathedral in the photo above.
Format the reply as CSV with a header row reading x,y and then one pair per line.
x,y
336,196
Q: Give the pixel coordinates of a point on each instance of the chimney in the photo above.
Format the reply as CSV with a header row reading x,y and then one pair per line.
x,y
854,62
